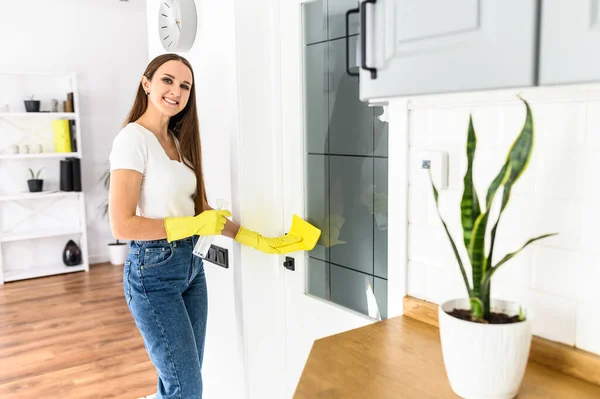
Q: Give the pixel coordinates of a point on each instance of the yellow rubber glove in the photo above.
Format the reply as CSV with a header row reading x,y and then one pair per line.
x,y
301,228
207,223
264,244
331,231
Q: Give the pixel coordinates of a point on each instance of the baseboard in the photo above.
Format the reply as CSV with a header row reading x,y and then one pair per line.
x,y
563,358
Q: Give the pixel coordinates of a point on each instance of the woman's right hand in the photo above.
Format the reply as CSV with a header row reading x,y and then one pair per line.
x,y
207,223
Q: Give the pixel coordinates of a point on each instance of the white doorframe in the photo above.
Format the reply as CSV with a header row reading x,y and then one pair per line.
x,y
398,164
269,78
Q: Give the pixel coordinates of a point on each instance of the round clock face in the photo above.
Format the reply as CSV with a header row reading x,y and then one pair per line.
x,y
177,24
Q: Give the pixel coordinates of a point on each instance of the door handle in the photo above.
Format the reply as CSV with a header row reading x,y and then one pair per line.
x,y
363,37
348,13
289,263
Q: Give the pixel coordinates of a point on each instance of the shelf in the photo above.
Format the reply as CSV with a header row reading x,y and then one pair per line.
x,y
12,275
45,155
41,195
44,233
69,115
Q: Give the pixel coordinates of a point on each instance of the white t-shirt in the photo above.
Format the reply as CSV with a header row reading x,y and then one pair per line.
x,y
168,186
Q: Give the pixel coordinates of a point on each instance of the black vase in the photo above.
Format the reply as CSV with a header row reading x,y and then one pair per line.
x,y
35,185
72,254
32,105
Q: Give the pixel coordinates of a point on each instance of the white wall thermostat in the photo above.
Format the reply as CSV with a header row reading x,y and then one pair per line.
x,y
436,163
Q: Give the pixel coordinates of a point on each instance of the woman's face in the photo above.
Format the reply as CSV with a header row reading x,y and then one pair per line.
x,y
169,88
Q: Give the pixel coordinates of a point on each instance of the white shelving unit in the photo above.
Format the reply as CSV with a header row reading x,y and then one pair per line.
x,y
40,156
35,227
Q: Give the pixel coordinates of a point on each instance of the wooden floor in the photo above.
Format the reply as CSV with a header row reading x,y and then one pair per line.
x,y
71,337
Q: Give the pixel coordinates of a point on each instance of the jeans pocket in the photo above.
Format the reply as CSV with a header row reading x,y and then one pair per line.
x,y
157,256
126,283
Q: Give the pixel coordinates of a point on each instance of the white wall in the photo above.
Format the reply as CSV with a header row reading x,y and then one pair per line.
x,y
105,44
557,277
237,72
213,60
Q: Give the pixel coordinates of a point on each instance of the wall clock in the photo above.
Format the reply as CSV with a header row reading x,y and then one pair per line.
x,y
177,23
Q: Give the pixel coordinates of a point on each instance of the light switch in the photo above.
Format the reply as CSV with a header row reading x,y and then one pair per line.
x,y
219,256
437,163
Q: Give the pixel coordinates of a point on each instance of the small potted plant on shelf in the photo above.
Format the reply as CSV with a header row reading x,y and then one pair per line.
x,y
32,105
117,250
35,183
485,342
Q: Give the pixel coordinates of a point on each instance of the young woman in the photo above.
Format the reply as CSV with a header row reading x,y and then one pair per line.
x,y
157,201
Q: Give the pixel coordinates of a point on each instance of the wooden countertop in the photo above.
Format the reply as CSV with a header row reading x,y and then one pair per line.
x,y
402,358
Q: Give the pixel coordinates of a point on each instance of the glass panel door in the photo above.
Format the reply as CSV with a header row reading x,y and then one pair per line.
x,y
346,167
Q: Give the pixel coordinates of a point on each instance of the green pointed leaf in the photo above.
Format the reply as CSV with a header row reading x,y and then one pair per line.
x,y
520,151
469,204
518,158
456,254
505,198
476,308
498,181
511,255
521,314
477,245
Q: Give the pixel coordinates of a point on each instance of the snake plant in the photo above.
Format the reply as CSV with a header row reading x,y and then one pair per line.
x,y
476,217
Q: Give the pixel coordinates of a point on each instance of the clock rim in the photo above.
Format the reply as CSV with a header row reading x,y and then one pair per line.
x,y
187,35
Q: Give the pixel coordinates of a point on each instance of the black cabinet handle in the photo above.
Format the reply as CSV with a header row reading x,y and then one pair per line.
x,y
348,13
289,263
363,37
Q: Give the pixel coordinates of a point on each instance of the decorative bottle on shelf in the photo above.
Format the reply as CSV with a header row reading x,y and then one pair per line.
x,y
72,254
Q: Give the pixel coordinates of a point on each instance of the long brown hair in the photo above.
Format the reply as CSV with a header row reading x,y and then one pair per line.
x,y
184,125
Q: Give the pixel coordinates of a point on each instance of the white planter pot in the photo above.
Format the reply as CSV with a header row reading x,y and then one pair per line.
x,y
484,361
118,253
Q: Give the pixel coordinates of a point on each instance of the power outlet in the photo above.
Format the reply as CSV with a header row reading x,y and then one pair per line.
x,y
219,256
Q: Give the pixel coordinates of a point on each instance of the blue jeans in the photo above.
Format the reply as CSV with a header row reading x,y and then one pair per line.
x,y
165,289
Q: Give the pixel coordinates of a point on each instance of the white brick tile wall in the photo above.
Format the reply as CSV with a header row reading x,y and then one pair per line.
x,y
560,174
554,317
418,206
485,121
510,291
588,177
559,278
429,245
590,233
448,127
517,271
416,283
567,220
588,326
563,125
419,125
512,118
555,271
588,279
457,165
592,134
444,284
487,164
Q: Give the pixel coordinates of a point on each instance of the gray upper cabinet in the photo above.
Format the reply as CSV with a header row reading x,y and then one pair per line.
x,y
437,46
570,41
